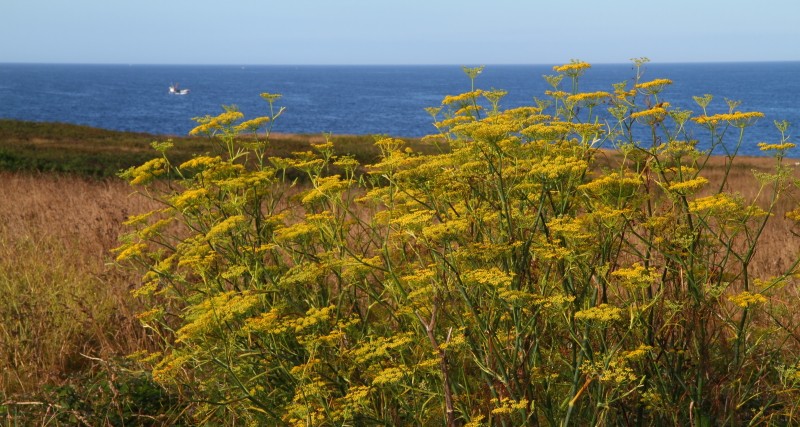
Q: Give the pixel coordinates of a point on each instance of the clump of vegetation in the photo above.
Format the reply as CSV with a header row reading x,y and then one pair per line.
x,y
67,316
86,151
512,277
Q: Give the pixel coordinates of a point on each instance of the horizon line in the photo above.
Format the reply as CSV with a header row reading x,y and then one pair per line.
x,y
488,64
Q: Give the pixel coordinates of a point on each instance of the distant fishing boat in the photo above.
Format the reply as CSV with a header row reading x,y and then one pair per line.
x,y
173,89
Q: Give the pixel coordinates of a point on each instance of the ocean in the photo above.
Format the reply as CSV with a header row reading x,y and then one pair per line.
x,y
359,99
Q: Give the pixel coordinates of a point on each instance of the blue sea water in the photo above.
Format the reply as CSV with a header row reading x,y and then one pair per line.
x,y
357,99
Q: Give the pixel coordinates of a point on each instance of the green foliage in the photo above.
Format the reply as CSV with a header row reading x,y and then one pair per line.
x,y
117,394
506,277
87,151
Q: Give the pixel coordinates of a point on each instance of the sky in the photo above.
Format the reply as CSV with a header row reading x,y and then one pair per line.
x,y
305,32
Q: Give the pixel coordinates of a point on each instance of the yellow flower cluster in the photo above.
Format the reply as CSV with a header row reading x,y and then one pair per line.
x,y
453,121
737,119
574,68
379,348
486,131
492,277
167,369
636,276
601,313
155,228
210,124
225,226
685,187
747,299
296,232
558,94
507,406
201,162
654,86
189,198
313,317
269,322
468,110
639,353
655,114
329,186
559,166
461,98
252,125
793,215
612,183
763,146
390,375
588,97
131,251
413,220
215,312
717,203
147,171
446,231
568,227
542,131
270,97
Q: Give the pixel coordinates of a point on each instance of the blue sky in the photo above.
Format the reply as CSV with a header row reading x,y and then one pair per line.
x,y
397,31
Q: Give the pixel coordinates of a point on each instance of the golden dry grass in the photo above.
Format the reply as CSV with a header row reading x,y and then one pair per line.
x,y
63,299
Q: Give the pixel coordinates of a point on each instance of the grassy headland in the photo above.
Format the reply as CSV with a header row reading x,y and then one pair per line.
x,y
87,151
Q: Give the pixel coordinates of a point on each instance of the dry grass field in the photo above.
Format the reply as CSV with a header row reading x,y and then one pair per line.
x,y
64,301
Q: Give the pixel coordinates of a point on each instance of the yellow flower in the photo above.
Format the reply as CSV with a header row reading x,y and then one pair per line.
x,y
507,406
464,97
215,312
556,93
169,367
588,97
295,232
639,353
227,225
208,125
269,323
329,186
390,376
200,161
746,299
654,86
314,316
147,171
793,215
573,69
446,231
602,313
689,186
635,277
717,203
492,277
252,125
131,251
777,147
270,97
737,119
614,183
651,115
189,198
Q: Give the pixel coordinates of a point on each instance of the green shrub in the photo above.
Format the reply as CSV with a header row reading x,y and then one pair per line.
x,y
516,276
117,394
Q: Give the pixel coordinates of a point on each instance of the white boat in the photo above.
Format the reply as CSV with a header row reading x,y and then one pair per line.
x,y
173,89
